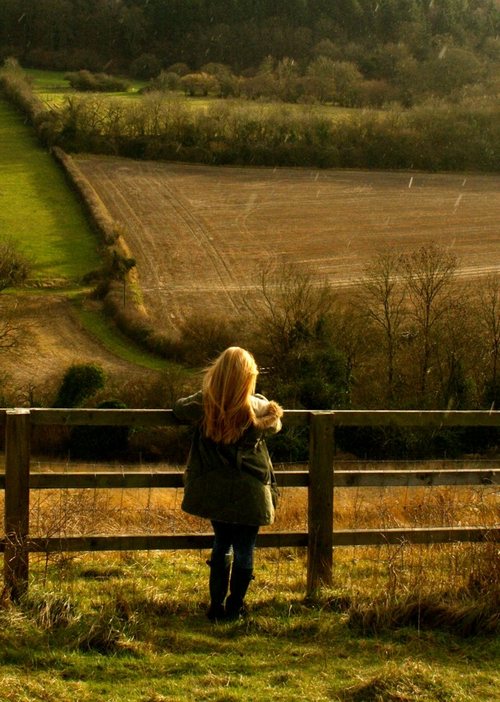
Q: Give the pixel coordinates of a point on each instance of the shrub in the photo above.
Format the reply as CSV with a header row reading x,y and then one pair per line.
x,y
145,66
80,382
166,80
203,337
96,82
14,266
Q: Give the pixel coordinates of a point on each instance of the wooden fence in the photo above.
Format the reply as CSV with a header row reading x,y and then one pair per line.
x,y
320,480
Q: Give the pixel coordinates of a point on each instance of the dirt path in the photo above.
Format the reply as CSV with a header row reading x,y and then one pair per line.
x,y
200,233
53,338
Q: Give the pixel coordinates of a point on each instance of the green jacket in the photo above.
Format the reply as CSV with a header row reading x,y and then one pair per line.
x,y
230,482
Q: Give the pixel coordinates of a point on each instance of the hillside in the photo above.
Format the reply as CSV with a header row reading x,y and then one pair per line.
x,y
53,338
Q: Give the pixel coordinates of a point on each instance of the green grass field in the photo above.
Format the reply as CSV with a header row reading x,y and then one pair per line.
x,y
52,87
96,324
132,628
38,210
41,213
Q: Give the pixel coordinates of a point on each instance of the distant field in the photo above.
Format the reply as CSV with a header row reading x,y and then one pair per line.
x,y
200,233
52,87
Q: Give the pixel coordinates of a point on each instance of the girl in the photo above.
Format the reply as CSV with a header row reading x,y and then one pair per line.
x,y
229,477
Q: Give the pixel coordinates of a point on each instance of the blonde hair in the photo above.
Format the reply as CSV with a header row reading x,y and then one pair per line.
x,y
227,388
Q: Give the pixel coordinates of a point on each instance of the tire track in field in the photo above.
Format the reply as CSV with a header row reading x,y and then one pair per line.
x,y
145,241
201,234
127,216
460,274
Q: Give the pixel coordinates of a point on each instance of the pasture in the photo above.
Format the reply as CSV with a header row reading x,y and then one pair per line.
x,y
38,210
52,86
201,234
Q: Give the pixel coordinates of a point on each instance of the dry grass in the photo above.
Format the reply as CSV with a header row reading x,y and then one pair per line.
x,y
379,586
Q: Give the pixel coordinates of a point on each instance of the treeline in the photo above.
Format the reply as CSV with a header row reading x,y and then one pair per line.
x,y
430,137
145,35
338,76
435,136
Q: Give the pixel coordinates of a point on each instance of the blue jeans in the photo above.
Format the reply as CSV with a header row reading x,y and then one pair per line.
x,y
238,539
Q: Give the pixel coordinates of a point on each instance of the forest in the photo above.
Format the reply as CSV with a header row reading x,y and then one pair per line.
x,y
396,49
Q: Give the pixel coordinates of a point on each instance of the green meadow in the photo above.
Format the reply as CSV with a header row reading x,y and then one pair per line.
x,y
52,86
37,208
132,628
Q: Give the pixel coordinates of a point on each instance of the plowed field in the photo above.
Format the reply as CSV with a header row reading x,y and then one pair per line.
x,y
52,339
200,233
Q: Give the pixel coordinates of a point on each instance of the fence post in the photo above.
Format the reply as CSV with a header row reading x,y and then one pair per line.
x,y
17,474
320,502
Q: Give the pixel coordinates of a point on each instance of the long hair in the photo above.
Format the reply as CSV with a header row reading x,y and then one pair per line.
x,y
227,388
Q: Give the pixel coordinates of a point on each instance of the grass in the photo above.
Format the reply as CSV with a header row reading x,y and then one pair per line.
x,y
96,323
38,209
52,86
133,628
43,216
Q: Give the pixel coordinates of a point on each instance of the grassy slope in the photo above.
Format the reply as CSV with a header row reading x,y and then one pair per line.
x,y
96,324
37,207
133,629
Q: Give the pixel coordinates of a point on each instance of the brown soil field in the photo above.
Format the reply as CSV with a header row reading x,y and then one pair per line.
x,y
52,338
200,234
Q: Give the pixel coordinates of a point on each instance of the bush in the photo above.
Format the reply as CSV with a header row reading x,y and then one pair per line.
x,y
96,82
145,66
165,81
80,382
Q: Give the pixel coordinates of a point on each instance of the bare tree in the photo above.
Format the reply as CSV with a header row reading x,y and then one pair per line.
x,y
428,273
14,269
383,293
291,307
457,353
489,320
14,266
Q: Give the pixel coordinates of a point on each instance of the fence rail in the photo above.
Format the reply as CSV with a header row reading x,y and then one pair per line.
x,y
320,481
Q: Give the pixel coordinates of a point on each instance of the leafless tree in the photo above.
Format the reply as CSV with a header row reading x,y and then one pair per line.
x,y
489,319
291,306
383,292
428,273
458,355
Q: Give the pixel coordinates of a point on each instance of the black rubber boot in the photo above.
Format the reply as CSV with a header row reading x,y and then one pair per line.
x,y
218,585
240,580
